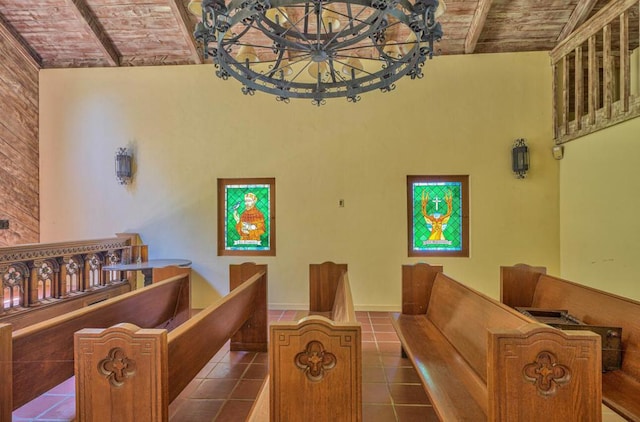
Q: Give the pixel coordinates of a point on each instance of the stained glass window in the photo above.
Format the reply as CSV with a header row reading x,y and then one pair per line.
x,y
246,216
438,215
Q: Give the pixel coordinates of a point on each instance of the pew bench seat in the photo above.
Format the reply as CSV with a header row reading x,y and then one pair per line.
x,y
449,381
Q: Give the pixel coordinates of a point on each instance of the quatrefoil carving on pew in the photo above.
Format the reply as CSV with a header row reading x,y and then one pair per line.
x,y
546,373
315,360
116,367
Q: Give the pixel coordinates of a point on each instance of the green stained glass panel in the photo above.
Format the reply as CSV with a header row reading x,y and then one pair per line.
x,y
247,217
437,216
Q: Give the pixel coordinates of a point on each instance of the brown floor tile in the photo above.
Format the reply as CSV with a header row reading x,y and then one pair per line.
x,y
190,388
228,370
416,413
383,328
239,357
247,389
389,348
371,358
400,375
206,369
234,411
369,346
367,328
375,393
214,389
256,371
392,361
408,394
373,374
197,410
262,357
378,413
379,314
368,336
387,337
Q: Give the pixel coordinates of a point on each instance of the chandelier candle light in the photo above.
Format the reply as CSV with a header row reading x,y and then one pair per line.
x,y
317,49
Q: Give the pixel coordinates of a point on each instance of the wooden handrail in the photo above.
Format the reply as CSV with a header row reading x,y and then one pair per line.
x,y
575,112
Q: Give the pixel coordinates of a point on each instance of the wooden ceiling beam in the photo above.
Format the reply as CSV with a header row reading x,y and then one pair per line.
x,y
577,18
182,17
84,13
19,44
477,24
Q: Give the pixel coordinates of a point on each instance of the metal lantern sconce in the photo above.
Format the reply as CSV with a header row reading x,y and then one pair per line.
x,y
520,158
124,166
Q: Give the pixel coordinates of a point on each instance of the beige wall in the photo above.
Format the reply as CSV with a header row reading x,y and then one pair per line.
x,y
600,228
187,128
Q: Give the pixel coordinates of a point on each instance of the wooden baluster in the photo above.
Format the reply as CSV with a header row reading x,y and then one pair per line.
x,y
62,281
594,84
556,123
565,94
6,372
625,64
33,283
607,63
579,90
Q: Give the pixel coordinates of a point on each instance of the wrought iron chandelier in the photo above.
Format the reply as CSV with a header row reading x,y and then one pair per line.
x,y
317,49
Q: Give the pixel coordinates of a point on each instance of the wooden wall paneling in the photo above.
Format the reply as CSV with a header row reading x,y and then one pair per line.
x,y
19,191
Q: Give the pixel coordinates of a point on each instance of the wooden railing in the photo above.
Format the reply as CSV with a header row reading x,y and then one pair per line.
x,y
595,85
40,278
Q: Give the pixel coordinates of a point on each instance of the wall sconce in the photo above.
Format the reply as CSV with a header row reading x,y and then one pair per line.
x,y
124,168
520,158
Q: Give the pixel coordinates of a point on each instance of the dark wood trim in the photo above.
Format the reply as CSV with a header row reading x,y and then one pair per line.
x,y
577,18
477,24
181,15
10,34
84,13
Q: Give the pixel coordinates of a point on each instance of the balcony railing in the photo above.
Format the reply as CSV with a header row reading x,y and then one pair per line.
x,y
596,72
43,274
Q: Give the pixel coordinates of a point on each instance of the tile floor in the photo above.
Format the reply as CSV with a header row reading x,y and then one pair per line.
x,y
227,386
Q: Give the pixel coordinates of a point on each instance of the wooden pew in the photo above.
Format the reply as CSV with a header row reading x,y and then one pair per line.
x,y
480,360
526,286
315,364
41,355
127,373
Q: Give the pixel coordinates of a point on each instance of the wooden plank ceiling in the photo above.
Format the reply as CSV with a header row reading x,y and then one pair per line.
x,y
100,33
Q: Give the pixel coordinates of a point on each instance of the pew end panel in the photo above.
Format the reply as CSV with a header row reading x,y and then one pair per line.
x,y
253,335
417,283
323,284
6,373
121,364
315,370
540,373
518,284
